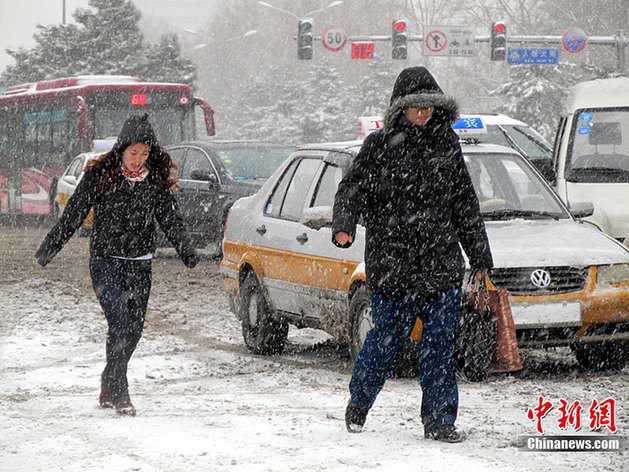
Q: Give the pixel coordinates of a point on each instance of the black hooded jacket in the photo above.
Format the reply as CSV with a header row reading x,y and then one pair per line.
x,y
410,186
124,220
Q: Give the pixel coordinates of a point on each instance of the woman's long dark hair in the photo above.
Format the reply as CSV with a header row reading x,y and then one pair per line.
x,y
159,163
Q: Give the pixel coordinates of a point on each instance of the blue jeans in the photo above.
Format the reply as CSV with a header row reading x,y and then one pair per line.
x,y
122,288
394,315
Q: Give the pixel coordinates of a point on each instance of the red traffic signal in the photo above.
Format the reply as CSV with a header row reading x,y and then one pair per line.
x,y
400,26
399,39
498,41
499,27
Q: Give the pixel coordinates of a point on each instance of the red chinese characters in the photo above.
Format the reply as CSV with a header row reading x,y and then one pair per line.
x,y
570,415
542,409
601,414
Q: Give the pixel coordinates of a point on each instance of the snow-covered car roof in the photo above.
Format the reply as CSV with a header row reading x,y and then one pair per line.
x,y
495,119
353,145
597,94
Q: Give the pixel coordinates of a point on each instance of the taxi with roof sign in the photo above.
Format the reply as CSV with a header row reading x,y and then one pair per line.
x,y
67,183
568,283
496,129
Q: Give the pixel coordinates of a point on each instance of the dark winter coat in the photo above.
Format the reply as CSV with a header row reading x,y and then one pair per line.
x,y
124,221
410,186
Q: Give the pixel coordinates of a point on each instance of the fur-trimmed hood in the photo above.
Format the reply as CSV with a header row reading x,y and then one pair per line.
x,y
416,87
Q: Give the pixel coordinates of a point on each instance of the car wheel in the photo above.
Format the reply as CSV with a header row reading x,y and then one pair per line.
x,y
606,355
361,322
263,332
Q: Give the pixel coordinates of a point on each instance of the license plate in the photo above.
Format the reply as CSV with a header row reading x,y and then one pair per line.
x,y
540,315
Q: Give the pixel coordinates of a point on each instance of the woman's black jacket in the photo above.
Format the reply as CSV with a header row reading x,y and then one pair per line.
x,y
124,221
411,190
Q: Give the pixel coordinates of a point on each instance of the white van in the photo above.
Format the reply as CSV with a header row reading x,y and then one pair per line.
x,y
591,153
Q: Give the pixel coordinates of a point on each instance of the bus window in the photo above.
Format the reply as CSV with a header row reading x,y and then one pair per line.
x,y
40,130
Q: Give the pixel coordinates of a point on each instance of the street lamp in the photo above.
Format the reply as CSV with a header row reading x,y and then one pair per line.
x,y
268,5
212,40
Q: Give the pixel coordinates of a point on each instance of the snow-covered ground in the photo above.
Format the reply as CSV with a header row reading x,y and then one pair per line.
x,y
205,404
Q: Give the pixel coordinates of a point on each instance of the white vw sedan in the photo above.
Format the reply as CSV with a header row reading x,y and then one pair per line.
x,y
568,282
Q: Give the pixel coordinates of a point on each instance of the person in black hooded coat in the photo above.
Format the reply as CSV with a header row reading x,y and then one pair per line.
x,y
410,186
130,188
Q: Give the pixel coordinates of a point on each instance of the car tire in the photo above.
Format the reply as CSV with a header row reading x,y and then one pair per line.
x,y
264,333
360,322
606,355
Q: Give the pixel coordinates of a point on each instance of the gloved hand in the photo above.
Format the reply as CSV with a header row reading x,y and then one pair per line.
x,y
191,260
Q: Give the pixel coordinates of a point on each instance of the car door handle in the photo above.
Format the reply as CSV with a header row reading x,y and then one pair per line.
x,y
261,229
302,238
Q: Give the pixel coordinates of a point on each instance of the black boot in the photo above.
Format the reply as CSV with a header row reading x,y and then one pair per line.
x,y
354,418
446,433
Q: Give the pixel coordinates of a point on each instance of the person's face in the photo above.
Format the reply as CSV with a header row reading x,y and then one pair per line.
x,y
419,116
134,157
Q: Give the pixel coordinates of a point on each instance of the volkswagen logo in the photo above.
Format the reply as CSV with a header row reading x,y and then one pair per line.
x,y
540,278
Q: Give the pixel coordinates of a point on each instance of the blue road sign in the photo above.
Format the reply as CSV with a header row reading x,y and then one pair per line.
x,y
574,40
538,56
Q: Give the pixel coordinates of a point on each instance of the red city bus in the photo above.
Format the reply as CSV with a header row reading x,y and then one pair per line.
x,y
45,124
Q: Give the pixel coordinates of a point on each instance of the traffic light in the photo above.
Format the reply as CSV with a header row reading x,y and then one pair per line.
x,y
304,38
498,42
399,40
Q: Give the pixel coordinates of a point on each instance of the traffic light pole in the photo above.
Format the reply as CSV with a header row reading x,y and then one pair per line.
x,y
619,40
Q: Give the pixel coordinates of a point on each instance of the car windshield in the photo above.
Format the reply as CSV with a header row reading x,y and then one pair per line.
x,y
598,152
526,139
249,163
508,188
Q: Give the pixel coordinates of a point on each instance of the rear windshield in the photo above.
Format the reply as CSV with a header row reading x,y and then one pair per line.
x,y
253,163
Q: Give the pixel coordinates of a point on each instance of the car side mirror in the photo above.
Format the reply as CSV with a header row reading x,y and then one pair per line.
x,y
205,175
581,208
317,217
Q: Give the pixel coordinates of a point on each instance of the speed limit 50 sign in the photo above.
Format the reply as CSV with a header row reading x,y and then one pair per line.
x,y
334,38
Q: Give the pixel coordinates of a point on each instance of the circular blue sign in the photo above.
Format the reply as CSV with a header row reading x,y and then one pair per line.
x,y
574,40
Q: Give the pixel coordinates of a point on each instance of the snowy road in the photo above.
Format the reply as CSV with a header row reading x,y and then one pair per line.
x,y
205,404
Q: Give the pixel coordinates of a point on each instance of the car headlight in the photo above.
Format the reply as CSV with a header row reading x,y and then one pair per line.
x,y
612,274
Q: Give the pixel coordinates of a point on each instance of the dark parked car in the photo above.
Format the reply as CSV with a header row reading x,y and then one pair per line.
x,y
214,174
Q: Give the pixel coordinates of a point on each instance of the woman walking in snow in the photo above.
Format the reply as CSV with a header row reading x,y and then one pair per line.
x,y
130,187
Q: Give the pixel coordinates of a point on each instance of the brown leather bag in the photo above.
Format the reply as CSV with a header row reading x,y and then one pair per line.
x,y
506,356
